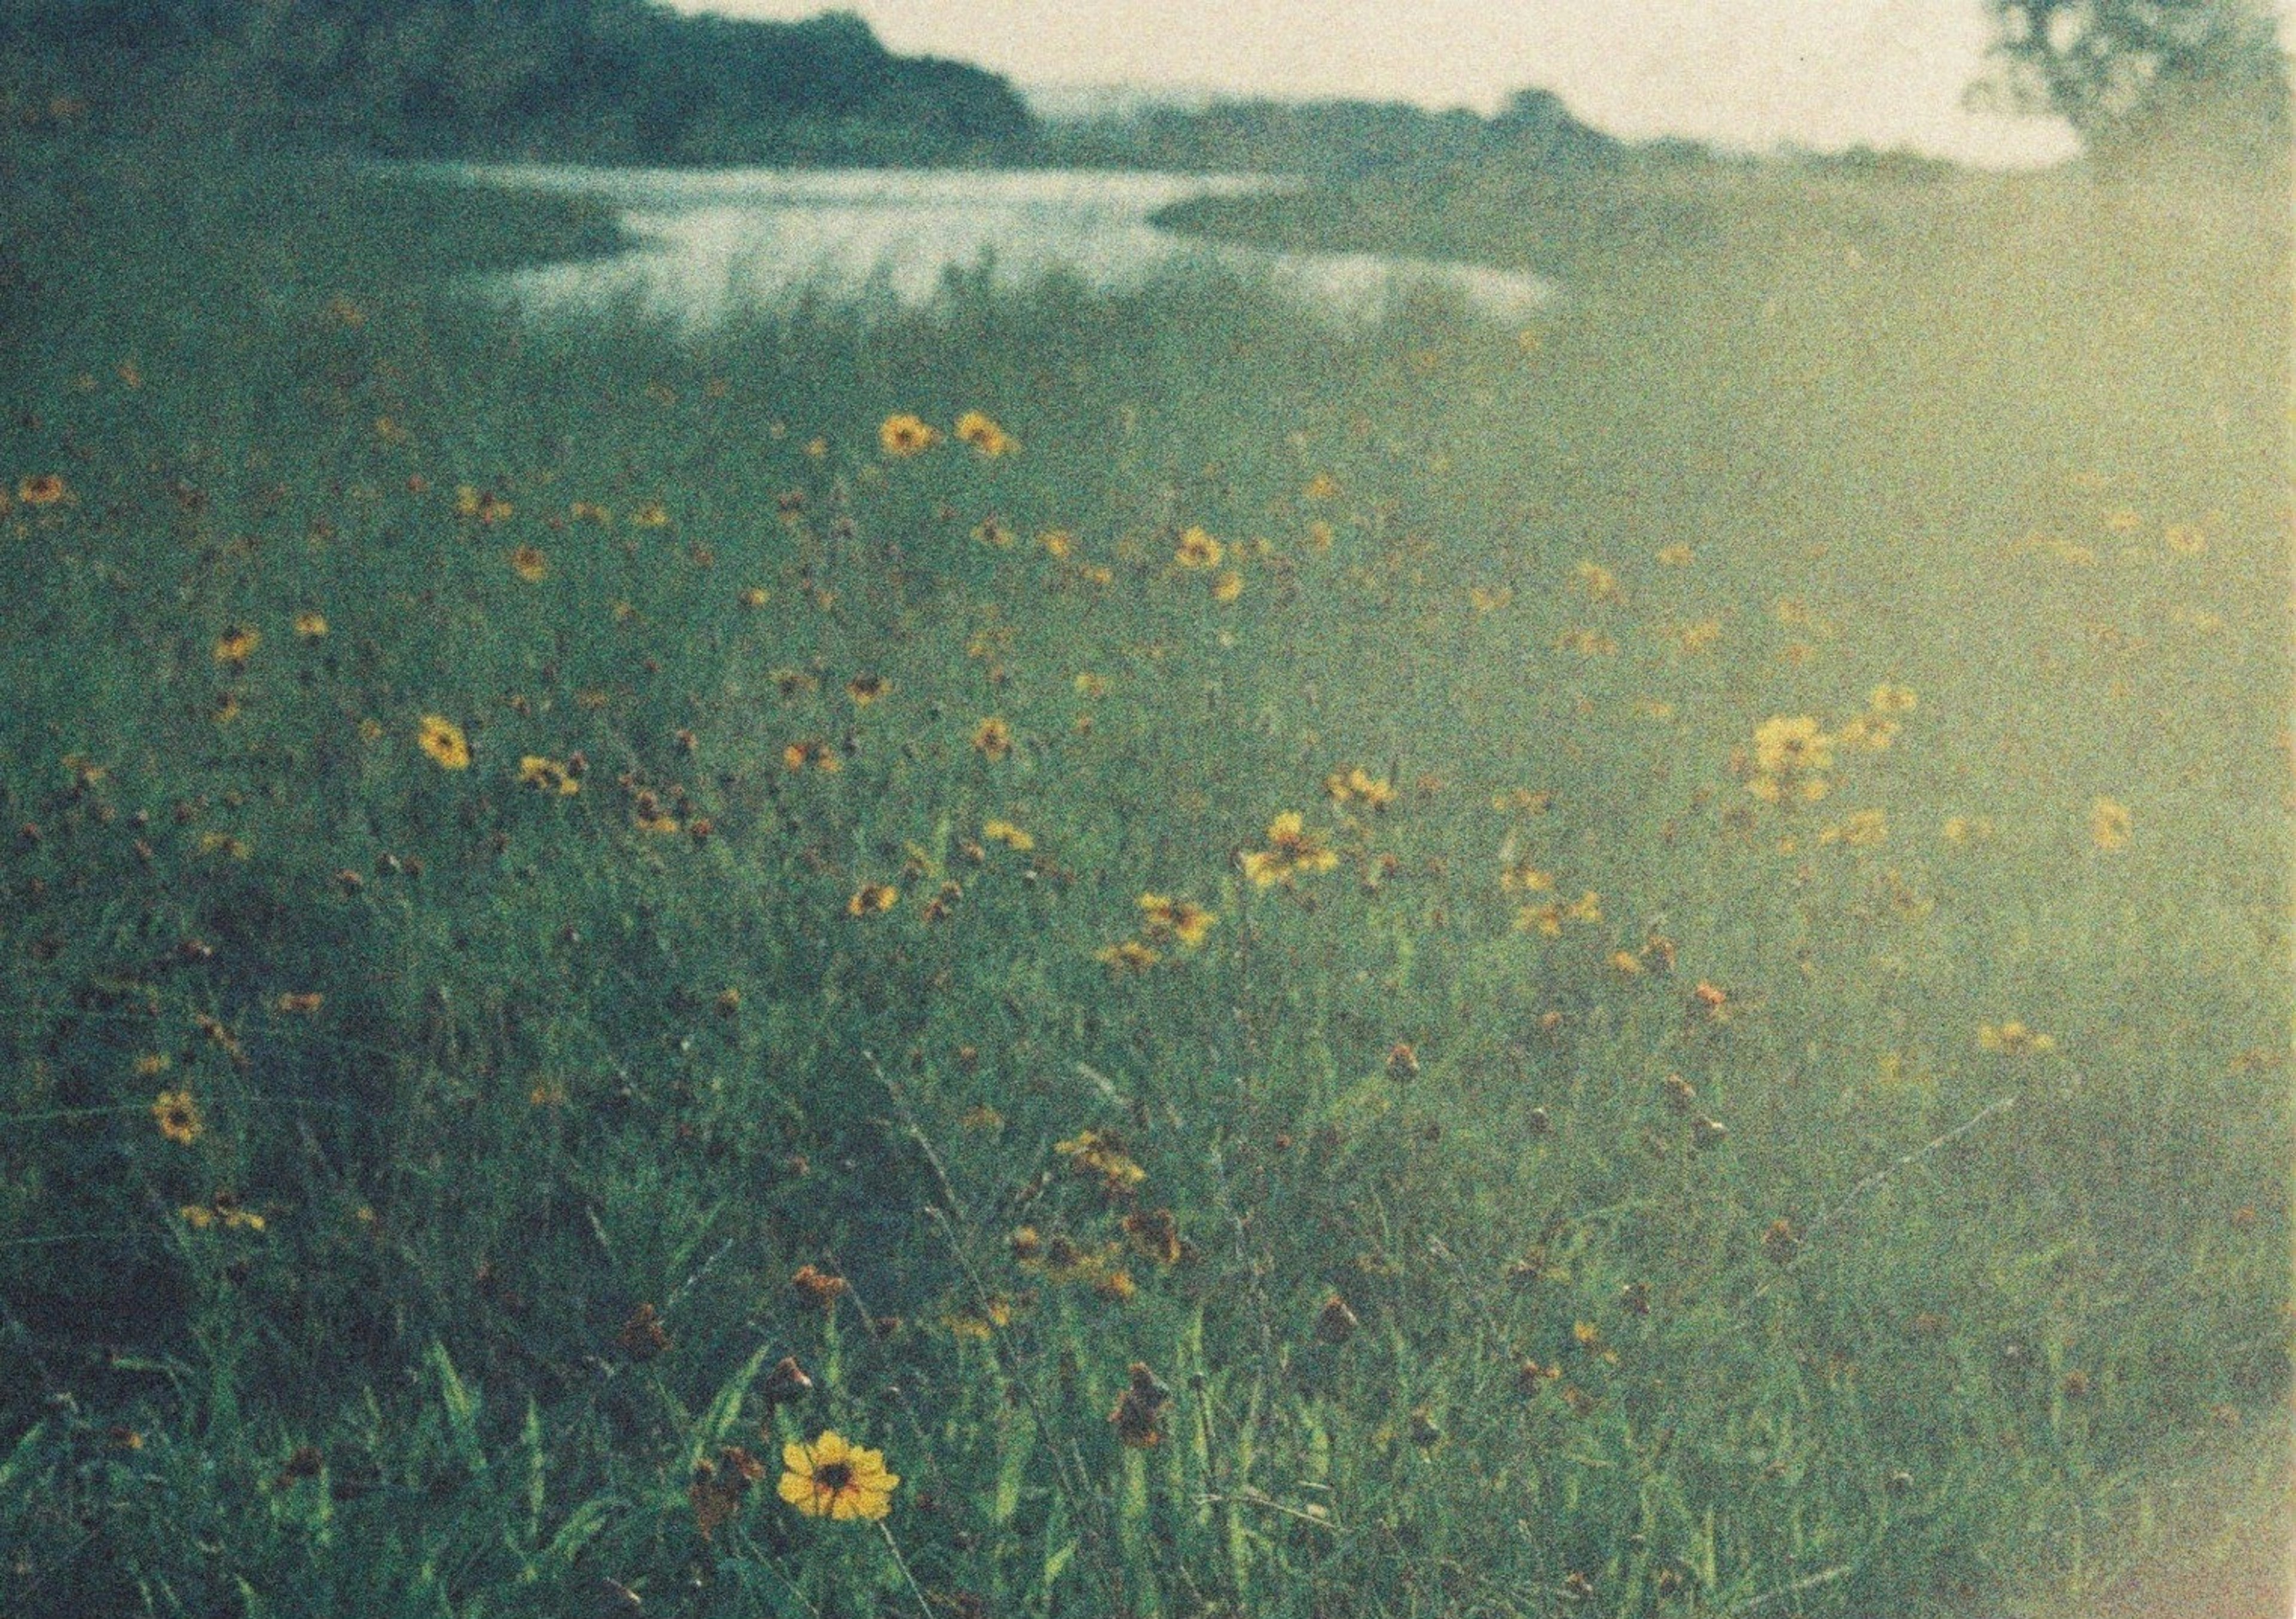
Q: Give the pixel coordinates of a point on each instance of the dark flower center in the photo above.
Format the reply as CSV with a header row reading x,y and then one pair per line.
x,y
836,1476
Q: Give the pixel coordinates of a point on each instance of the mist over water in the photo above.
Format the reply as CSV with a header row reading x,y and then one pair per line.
x,y
718,243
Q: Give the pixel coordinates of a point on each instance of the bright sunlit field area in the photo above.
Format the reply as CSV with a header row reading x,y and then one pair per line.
x,y
1143,952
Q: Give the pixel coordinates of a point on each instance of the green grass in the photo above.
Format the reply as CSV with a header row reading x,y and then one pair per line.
x,y
2015,446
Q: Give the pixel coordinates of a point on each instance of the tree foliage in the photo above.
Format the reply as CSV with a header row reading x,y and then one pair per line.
x,y
601,81
2137,76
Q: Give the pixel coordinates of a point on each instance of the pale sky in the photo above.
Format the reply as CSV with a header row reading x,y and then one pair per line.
x,y
1746,73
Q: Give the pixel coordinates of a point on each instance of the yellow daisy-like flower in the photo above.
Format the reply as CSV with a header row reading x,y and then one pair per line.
x,y
1179,918
871,899
866,689
1599,583
1784,746
1675,556
1323,486
1228,586
992,738
1890,697
1011,835
2184,540
178,1116
2110,824
651,514
2014,1039
1059,543
530,565
1294,850
830,1478
547,776
1199,551
444,741
903,435
976,429
41,489
236,645
311,626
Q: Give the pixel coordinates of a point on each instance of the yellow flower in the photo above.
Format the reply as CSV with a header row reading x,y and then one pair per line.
x,y
755,596
1199,551
1675,556
1698,637
651,514
1294,850
41,489
866,689
1130,954
236,645
530,565
1374,792
1320,535
1011,835
547,775
871,899
976,429
1864,830
484,504
1323,486
1892,699
2110,824
590,511
903,435
1179,918
1489,598
1785,747
1059,543
178,1116
992,738
2014,1039
444,741
830,1478
1599,583
311,626
1228,586
1101,1153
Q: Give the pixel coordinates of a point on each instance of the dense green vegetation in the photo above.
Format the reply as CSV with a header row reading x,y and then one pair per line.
x,y
549,871
588,80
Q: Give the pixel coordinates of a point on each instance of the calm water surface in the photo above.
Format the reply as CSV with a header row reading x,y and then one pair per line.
x,y
716,242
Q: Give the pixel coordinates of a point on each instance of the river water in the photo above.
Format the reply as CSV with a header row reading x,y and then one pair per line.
x,y
714,242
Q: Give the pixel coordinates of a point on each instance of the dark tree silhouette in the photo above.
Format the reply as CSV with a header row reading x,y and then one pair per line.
x,y
2147,78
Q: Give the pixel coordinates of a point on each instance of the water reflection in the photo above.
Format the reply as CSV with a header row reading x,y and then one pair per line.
x,y
716,242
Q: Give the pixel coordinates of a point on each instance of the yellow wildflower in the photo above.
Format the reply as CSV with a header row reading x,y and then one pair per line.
x,y
1199,551
976,429
178,1116
992,738
830,1478
236,645
903,435
444,741
2110,824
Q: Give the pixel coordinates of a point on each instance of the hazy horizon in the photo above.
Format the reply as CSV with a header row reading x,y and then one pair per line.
x,y
1743,74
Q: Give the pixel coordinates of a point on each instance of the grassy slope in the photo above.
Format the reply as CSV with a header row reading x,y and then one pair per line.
x,y
2007,443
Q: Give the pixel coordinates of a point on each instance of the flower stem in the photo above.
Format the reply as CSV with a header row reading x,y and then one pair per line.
x,y
924,1608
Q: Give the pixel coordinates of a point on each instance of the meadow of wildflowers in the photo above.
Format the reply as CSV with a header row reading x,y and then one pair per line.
x,y
1135,954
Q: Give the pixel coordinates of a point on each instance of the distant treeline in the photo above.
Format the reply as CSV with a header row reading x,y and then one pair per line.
x,y
1331,138
633,81
589,80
